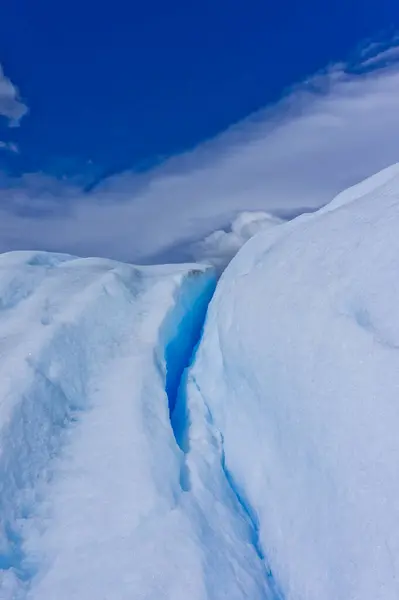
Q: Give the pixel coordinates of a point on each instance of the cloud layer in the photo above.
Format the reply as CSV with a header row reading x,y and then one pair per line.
x,y
331,131
11,107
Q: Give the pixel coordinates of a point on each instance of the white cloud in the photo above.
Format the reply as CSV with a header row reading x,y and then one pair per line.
x,y
386,56
377,54
11,107
10,146
328,133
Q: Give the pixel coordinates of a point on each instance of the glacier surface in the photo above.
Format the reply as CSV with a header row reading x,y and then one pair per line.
x,y
298,368
154,447
95,498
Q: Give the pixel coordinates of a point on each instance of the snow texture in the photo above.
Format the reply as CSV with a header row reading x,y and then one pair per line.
x,y
298,369
97,500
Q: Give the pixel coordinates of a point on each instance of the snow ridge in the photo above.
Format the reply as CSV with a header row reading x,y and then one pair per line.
x,y
299,367
40,399
94,377
57,355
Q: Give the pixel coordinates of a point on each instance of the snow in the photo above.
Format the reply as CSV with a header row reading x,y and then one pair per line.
x,y
298,369
163,437
97,500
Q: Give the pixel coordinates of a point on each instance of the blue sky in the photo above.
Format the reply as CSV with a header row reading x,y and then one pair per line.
x,y
134,130
123,84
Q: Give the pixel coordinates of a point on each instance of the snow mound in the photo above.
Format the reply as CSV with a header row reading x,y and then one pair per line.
x,y
298,372
97,499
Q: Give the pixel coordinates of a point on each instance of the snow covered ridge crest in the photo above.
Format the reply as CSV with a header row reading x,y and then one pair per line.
x,y
299,368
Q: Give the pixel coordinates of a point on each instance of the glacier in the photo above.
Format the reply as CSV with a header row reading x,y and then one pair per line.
x,y
94,499
169,434
299,369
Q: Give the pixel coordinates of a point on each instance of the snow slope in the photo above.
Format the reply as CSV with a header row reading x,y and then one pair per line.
x,y
298,371
97,500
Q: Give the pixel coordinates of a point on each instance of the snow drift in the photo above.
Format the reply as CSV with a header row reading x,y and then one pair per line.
x,y
298,370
